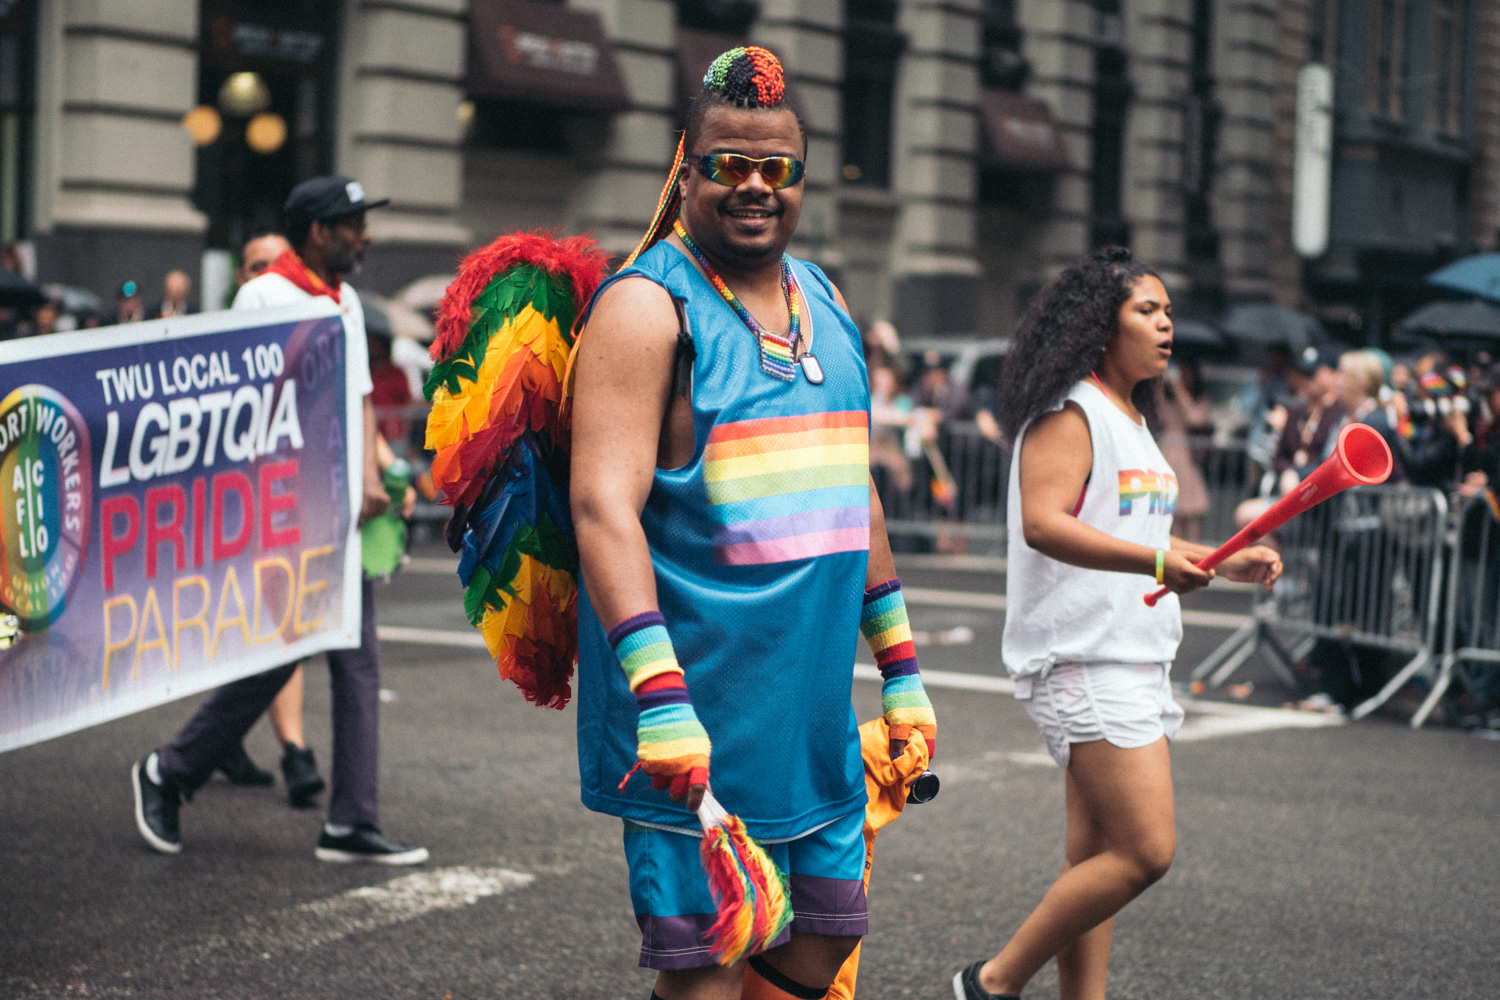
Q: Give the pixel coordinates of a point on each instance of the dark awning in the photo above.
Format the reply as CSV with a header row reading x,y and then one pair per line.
x,y
542,53
1020,134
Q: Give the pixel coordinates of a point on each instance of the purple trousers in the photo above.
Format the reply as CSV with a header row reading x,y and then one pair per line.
x,y
223,720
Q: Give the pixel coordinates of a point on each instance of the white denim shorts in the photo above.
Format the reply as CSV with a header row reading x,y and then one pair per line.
x,y
1128,704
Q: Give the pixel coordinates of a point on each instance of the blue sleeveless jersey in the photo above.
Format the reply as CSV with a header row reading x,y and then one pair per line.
x,y
759,546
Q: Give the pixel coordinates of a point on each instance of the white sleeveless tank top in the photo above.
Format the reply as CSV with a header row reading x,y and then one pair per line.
x,y
1057,613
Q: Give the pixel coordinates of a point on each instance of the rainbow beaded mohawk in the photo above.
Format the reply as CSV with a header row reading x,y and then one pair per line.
x,y
745,77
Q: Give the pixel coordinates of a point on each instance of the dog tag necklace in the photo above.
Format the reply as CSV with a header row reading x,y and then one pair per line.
x,y
778,354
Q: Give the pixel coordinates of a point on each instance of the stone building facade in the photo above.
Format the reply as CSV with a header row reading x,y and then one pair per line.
x,y
961,152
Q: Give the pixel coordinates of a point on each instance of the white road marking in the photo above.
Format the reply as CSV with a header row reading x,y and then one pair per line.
x,y
323,921
1209,719
430,636
946,679
938,561
1206,719
1039,758
954,598
431,565
996,602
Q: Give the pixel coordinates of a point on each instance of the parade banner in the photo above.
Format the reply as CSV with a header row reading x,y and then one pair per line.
x,y
178,501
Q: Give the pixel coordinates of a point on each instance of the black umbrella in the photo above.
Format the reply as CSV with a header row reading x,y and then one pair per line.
x,y
1265,323
1192,333
376,320
18,293
1472,319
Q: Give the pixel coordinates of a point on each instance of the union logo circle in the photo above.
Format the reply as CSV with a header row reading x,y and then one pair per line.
x,y
46,495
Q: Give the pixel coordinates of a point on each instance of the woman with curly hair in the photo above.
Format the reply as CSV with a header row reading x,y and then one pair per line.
x,y
1090,517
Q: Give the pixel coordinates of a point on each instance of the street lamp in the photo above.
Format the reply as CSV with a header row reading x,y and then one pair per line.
x,y
244,94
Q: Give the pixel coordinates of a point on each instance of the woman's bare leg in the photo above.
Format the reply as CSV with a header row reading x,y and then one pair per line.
x,y
1121,826
286,711
1082,963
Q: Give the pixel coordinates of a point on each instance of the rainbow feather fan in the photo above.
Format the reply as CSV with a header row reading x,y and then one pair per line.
x,y
750,893
504,330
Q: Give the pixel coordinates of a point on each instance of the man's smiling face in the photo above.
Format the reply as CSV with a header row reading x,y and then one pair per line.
x,y
749,225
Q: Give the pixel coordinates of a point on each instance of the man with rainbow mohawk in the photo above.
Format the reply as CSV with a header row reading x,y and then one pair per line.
x,y
732,550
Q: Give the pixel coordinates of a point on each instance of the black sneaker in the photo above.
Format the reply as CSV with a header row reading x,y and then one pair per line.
x,y
301,774
367,843
237,766
966,986
155,809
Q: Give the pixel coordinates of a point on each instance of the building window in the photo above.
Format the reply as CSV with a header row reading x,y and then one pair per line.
x,y
1200,139
730,17
17,43
872,52
1002,64
265,103
1323,32
1386,71
1447,66
1112,94
492,124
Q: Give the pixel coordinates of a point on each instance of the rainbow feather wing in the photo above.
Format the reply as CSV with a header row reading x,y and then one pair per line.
x,y
501,442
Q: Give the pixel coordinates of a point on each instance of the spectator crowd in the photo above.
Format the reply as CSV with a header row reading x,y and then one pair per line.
x,y
937,453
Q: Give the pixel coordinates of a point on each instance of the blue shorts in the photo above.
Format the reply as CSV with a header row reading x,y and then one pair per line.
x,y
669,889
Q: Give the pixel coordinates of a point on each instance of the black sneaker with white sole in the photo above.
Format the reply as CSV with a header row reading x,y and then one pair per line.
x,y
156,805
367,843
966,986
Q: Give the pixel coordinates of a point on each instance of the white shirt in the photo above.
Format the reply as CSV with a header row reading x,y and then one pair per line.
x,y
1057,613
273,290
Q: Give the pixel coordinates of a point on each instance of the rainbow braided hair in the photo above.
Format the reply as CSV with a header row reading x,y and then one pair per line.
x,y
747,76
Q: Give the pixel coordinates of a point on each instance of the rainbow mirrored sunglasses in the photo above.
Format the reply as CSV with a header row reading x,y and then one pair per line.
x,y
732,169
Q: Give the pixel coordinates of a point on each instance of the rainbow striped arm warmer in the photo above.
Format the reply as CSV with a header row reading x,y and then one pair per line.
x,y
671,744
885,627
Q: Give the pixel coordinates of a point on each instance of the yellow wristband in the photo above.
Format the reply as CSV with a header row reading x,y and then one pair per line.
x,y
1161,565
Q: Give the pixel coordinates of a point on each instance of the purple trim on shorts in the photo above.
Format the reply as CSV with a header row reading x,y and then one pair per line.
x,y
672,943
832,906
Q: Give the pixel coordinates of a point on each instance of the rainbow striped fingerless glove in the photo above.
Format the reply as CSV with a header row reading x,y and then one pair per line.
x,y
885,627
671,744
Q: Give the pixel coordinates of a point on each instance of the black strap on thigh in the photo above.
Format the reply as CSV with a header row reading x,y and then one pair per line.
x,y
783,982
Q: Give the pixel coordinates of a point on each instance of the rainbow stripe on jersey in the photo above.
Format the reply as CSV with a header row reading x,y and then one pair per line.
x,y
786,488
1158,489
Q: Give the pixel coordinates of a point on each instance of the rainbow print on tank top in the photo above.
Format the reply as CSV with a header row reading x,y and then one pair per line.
x,y
786,488
1157,489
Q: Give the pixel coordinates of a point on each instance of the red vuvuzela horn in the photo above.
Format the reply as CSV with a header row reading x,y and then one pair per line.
x,y
1360,458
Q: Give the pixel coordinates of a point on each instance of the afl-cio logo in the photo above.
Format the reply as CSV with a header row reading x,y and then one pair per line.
x,y
46,488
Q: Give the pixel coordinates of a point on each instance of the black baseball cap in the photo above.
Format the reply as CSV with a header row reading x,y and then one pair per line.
x,y
1313,358
326,198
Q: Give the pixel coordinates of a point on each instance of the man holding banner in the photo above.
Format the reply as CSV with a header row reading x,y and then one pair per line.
x,y
325,220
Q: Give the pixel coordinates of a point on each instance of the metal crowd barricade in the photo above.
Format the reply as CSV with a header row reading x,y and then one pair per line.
x,y
1366,567
1471,623
952,492
978,474
1230,477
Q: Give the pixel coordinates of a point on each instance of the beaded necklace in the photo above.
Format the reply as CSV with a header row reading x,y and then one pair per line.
x,y
777,353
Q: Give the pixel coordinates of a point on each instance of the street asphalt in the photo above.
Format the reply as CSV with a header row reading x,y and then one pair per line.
x,y
1314,859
